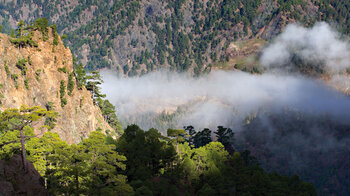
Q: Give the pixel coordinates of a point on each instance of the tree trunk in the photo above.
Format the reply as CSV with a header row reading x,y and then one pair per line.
x,y
24,158
177,147
77,182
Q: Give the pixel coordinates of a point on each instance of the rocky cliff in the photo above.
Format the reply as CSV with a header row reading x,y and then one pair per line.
x,y
33,75
14,181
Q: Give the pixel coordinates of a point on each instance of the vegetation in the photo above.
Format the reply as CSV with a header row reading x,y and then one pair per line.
x,y
21,64
50,121
139,162
1,95
37,74
62,93
80,74
7,70
54,35
41,24
16,129
14,77
62,69
26,83
109,114
70,86
193,36
23,36
93,81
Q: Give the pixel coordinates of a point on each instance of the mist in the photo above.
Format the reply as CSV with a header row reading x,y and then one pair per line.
x,y
227,98
293,123
320,44
219,98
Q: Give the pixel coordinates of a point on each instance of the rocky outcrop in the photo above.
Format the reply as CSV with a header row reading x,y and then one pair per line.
x,y
47,65
14,181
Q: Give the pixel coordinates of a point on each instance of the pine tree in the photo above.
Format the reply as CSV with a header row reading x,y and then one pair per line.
x,y
93,82
178,135
109,113
225,136
202,138
18,122
80,74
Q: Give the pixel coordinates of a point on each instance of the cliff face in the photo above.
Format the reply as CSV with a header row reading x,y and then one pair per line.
x,y
41,85
14,181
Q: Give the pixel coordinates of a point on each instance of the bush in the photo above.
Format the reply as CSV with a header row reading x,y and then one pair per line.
x,y
62,69
37,75
8,73
24,41
42,25
63,102
54,34
70,86
26,83
62,93
21,64
14,77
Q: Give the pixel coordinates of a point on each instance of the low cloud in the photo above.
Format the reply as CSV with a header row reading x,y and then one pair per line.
x,y
317,44
220,98
292,123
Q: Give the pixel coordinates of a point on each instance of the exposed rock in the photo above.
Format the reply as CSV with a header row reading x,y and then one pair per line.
x,y
14,181
76,119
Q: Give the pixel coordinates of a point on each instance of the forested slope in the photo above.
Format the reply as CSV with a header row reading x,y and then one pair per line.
x,y
138,36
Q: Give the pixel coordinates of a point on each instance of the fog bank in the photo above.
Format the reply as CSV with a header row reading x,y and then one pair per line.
x,y
220,98
319,44
291,122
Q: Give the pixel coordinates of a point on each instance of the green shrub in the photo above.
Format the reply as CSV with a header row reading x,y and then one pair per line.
x,y
42,25
63,102
8,73
14,77
62,93
23,42
21,64
30,61
54,34
26,84
70,86
37,74
62,69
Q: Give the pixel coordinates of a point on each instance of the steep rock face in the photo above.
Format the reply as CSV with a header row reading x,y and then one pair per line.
x,y
14,181
76,119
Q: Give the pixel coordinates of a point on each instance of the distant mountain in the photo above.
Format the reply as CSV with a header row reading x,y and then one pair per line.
x,y
137,36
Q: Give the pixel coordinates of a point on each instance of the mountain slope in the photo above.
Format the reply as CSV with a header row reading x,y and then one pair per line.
x,y
138,36
40,76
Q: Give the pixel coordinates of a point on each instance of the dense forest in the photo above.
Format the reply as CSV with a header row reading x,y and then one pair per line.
x,y
140,162
136,37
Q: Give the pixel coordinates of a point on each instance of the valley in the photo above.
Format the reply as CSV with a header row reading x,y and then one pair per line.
x,y
154,97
